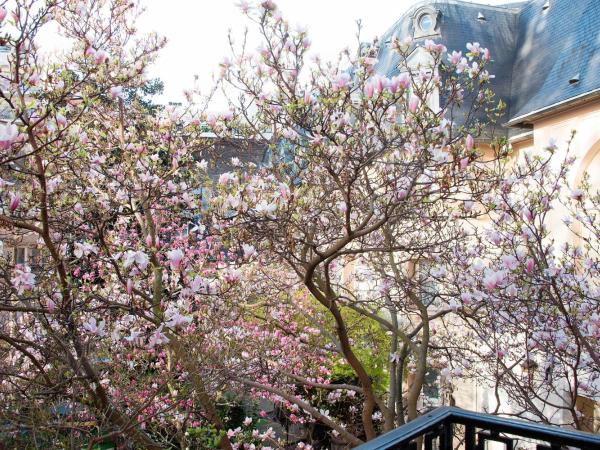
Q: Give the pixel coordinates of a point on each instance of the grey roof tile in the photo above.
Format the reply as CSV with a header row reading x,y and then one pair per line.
x,y
534,52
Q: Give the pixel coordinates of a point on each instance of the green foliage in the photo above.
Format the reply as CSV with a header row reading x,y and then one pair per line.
x,y
371,346
205,436
144,96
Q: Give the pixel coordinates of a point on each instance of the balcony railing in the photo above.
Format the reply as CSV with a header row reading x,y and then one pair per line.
x,y
448,427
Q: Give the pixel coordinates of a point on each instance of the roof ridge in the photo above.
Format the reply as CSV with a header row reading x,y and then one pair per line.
x,y
503,7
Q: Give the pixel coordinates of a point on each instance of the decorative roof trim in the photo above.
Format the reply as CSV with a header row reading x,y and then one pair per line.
x,y
430,11
553,108
521,137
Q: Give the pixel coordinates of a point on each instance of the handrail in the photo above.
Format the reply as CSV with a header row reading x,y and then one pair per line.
x,y
446,416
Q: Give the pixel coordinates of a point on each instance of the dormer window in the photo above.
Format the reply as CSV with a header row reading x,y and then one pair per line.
x,y
425,22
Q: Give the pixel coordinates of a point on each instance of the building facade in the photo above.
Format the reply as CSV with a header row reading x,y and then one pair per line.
x,y
546,62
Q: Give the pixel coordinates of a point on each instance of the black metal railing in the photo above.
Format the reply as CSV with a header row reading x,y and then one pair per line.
x,y
448,427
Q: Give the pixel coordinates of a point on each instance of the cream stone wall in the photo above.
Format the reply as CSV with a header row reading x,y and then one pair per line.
x,y
585,146
585,120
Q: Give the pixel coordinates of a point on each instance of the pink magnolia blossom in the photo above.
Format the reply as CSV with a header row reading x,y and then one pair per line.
x,y
341,81
379,83
394,84
308,98
61,120
493,279
454,57
176,320
432,47
577,194
116,92
84,248
157,338
413,104
527,214
469,142
100,56
510,262
249,251
265,209
453,304
8,135
462,65
94,328
226,177
529,265
269,5
244,6
50,306
15,199
474,48
397,82
231,276
138,257
23,279
90,52
34,79
2,13
175,258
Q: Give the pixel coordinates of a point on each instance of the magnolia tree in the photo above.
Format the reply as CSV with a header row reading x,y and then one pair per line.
x,y
530,303
365,188
95,332
323,281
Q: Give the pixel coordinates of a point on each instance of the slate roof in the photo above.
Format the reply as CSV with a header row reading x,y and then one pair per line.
x,y
534,52
552,48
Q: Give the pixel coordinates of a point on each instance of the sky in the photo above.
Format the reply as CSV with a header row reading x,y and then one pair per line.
x,y
196,31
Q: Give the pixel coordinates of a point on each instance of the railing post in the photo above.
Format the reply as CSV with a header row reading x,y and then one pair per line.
x,y
469,437
429,437
446,436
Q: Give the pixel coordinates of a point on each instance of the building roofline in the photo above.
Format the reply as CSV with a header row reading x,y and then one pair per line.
x,y
521,137
554,108
473,4
410,11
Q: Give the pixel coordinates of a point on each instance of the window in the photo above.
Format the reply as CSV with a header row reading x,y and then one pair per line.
x,y
426,23
35,258
20,255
